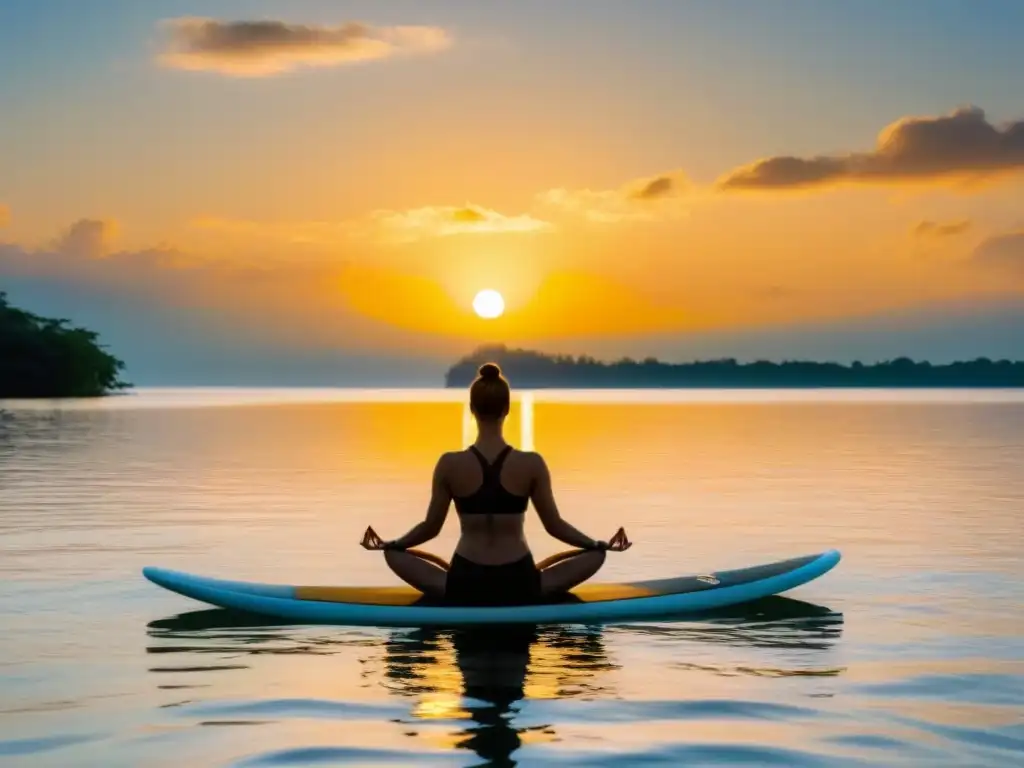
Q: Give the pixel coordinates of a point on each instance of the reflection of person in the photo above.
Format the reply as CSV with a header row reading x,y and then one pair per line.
x,y
491,485
497,667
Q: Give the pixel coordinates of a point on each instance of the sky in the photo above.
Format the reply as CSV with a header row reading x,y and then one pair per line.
x,y
314,191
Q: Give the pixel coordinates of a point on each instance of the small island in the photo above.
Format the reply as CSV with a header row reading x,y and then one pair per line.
x,y
42,357
529,369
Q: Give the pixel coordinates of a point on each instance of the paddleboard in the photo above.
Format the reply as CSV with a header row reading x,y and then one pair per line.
x,y
595,603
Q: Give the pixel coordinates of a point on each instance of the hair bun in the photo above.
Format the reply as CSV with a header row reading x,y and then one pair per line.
x,y
489,371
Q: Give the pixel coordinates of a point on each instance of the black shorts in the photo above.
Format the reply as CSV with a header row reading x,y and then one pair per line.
x,y
515,583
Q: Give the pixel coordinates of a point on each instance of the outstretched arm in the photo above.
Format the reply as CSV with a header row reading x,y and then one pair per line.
x,y
543,498
437,511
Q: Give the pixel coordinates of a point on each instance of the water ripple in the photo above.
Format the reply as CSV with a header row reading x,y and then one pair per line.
x,y
303,756
22,747
300,708
707,754
651,711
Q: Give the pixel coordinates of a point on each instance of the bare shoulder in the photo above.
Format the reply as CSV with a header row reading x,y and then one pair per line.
x,y
446,461
448,458
533,461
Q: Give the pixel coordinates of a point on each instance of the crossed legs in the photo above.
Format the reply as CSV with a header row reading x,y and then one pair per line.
x,y
558,574
420,570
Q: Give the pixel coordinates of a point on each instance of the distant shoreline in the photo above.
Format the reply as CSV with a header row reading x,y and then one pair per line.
x,y
192,397
528,369
534,386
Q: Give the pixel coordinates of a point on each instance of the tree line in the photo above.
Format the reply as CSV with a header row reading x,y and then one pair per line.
x,y
535,370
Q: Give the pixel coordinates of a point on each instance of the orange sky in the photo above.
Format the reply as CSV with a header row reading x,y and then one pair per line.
x,y
355,186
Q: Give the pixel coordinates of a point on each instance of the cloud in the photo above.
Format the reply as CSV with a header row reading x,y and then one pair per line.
x,y
645,199
268,47
941,229
392,226
654,189
443,221
940,331
1002,253
962,144
293,303
87,238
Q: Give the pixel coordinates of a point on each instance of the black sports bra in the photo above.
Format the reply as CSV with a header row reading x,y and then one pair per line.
x,y
491,498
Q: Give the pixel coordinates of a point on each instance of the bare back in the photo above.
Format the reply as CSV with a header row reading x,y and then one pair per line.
x,y
491,539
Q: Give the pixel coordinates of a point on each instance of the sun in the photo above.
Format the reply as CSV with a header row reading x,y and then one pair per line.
x,y
488,304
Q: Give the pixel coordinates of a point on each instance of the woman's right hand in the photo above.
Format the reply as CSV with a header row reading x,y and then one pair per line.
x,y
371,540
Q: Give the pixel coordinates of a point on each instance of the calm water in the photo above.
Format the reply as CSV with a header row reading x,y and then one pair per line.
x,y
909,653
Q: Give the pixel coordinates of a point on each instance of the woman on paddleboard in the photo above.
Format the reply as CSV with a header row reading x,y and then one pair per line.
x,y
491,484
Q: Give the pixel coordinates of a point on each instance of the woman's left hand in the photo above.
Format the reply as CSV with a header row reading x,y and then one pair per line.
x,y
371,540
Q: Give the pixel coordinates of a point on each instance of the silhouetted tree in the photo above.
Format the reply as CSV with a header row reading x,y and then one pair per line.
x,y
46,357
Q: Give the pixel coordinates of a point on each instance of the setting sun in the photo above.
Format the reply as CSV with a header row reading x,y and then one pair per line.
x,y
488,304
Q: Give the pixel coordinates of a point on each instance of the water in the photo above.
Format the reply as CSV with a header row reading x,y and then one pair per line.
x,y
909,653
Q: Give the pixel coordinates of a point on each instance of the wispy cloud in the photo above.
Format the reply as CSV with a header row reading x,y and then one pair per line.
x,y
443,221
962,144
646,199
391,226
269,47
87,238
1003,252
241,294
941,229
658,188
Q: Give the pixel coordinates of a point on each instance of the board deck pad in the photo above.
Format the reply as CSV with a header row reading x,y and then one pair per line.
x,y
585,593
588,603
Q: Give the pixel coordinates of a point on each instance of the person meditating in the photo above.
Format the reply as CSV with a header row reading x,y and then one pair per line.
x,y
491,484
